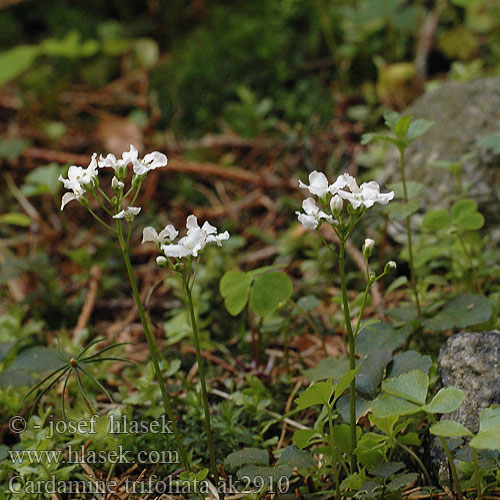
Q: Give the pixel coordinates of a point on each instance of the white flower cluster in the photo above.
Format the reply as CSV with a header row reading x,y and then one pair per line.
x,y
195,240
365,195
80,180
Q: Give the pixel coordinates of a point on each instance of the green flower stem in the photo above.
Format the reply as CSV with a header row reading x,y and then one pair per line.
x,y
104,195
419,462
103,206
363,303
450,461
408,235
107,226
204,394
352,352
479,490
152,346
334,452
471,264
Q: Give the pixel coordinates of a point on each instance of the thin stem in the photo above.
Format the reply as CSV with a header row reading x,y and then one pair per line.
x,y
194,273
325,243
152,347
475,281
106,197
363,305
107,226
408,235
352,353
450,461
204,394
132,201
479,489
103,206
334,451
419,462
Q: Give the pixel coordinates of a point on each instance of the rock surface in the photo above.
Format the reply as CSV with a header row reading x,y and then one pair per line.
x,y
469,361
463,113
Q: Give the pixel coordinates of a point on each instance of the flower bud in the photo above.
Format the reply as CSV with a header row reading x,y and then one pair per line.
x,y
336,204
117,185
161,261
390,266
368,248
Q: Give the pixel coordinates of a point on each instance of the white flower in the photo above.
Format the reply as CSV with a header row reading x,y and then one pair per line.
x,y
318,184
167,233
367,194
117,185
336,204
78,180
149,162
128,213
195,240
110,161
313,214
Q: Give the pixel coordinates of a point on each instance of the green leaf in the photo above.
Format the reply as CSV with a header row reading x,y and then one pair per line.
x,y
449,429
246,456
407,361
302,437
461,311
15,61
385,471
401,126
38,359
490,141
411,386
262,475
413,189
294,457
308,303
436,220
391,118
385,424
448,399
402,481
463,207
380,335
344,382
342,437
399,210
367,138
362,407
317,394
417,129
470,222
234,287
329,367
11,149
488,437
42,180
371,371
269,291
389,406
15,378
15,219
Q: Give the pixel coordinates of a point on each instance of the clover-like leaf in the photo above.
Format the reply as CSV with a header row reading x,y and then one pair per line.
x,y
449,429
399,210
269,291
234,288
318,393
294,457
436,220
411,386
417,129
488,437
245,456
448,399
389,406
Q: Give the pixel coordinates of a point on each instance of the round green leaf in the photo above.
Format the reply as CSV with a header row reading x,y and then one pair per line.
x,y
488,437
234,288
448,399
269,292
449,429
389,406
462,207
411,386
471,221
436,220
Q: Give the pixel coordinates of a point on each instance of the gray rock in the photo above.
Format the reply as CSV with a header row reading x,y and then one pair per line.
x,y
463,113
469,361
